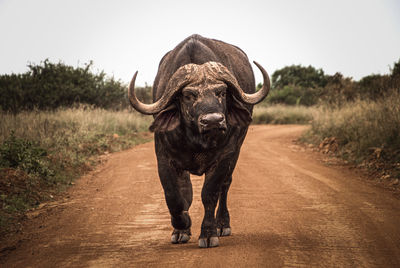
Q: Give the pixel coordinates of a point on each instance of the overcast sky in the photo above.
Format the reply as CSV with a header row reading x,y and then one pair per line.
x,y
354,37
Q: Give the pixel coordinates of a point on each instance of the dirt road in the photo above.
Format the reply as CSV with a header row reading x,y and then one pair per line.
x,y
287,210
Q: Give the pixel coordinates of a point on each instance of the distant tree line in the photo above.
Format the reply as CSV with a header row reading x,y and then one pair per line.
x,y
48,86
308,86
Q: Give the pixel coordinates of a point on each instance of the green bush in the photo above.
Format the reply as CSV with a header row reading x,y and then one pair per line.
x,y
51,85
294,85
297,85
338,90
24,171
25,155
374,86
144,94
297,75
294,95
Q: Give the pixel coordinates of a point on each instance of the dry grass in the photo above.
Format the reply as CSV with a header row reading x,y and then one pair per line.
x,y
41,153
72,136
283,114
364,130
71,124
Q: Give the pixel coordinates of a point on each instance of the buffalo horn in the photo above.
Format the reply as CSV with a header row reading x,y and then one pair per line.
x,y
259,95
178,80
142,107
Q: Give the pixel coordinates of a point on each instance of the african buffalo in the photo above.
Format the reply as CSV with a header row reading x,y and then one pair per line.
x,y
203,97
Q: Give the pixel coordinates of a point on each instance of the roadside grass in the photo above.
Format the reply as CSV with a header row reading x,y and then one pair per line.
x,y
367,133
283,114
41,153
362,132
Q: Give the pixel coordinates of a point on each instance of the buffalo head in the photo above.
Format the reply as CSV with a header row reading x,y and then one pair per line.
x,y
206,98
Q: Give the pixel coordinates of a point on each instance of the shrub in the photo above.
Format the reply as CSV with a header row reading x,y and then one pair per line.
x,y
374,86
24,171
25,155
144,94
297,85
338,90
46,150
294,85
293,95
361,128
297,75
51,85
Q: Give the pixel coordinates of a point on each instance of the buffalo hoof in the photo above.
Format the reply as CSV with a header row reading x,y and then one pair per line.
x,y
224,231
180,236
208,242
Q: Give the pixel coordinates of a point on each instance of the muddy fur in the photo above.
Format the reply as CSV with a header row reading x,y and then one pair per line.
x,y
201,129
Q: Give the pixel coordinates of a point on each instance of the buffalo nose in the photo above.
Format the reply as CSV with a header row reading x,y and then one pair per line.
x,y
212,120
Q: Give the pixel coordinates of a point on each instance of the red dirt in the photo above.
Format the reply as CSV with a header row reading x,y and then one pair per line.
x,y
287,209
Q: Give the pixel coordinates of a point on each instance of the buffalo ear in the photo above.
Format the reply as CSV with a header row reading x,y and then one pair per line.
x,y
166,120
238,114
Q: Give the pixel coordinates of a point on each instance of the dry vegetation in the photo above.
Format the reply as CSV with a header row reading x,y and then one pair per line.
x,y
71,124
283,114
43,152
363,132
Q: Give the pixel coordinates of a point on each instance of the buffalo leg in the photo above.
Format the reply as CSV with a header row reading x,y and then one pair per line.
x,y
223,220
178,196
215,181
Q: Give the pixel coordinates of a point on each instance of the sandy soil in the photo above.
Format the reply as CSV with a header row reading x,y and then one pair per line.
x,y
288,209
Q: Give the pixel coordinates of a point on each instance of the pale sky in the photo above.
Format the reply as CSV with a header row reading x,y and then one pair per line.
x,y
354,37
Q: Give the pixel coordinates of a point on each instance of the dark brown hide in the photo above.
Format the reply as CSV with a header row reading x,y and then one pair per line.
x,y
201,79
203,97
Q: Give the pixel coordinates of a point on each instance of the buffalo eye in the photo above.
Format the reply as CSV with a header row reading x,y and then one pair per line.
x,y
189,96
220,93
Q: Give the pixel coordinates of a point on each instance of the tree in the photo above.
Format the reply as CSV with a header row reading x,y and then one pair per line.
x,y
297,75
51,85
